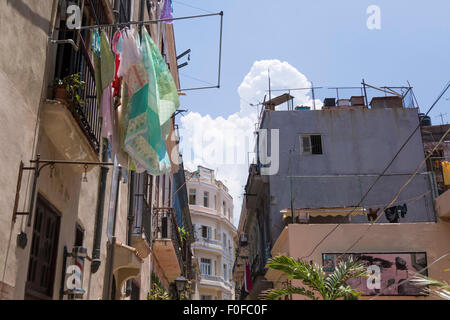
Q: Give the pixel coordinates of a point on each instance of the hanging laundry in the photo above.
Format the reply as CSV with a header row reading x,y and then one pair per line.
x,y
393,214
104,75
402,210
168,93
248,284
167,11
446,172
373,213
143,140
117,48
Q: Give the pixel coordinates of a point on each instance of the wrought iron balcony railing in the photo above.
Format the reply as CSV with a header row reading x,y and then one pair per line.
x,y
165,226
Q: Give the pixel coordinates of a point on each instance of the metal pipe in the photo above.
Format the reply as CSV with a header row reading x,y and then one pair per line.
x,y
89,163
131,207
33,190
148,21
96,261
220,48
69,41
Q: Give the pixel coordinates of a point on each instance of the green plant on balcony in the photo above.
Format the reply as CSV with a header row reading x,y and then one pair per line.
x,y
68,89
184,235
157,292
317,282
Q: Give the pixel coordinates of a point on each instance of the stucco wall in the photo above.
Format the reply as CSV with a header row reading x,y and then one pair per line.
x,y
220,224
353,142
25,25
298,240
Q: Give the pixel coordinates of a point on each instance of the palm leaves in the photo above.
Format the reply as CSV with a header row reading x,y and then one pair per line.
x,y
329,287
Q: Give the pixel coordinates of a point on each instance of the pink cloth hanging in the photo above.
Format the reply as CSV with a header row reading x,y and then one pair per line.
x,y
248,278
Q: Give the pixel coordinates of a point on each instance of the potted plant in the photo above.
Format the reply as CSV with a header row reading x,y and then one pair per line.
x,y
67,89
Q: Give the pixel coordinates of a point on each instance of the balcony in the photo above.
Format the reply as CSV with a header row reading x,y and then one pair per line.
x,y
442,205
74,128
142,227
210,280
167,245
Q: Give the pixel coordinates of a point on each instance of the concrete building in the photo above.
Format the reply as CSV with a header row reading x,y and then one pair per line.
x,y
328,160
431,134
112,212
211,208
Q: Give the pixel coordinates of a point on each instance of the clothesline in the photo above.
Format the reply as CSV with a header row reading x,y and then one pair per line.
x,y
119,24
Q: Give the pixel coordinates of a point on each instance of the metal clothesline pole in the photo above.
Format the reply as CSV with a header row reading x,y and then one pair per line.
x,y
150,21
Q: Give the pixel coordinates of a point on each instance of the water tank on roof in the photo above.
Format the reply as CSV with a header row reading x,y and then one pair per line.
x,y
329,102
357,100
302,108
424,120
343,103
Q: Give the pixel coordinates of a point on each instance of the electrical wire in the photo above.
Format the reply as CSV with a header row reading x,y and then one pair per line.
x,y
193,78
398,193
447,86
193,7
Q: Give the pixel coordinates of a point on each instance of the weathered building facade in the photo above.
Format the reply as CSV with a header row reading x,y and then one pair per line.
x,y
211,208
81,197
327,161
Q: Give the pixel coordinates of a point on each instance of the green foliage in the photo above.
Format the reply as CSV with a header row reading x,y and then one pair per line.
x,y
73,84
442,289
329,287
157,292
183,234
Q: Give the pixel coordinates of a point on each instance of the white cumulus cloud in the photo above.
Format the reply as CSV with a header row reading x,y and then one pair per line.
x,y
226,144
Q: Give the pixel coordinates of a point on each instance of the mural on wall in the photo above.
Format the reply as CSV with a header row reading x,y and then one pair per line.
x,y
386,271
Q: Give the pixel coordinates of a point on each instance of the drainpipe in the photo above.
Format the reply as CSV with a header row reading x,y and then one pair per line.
x,y
130,219
141,16
96,261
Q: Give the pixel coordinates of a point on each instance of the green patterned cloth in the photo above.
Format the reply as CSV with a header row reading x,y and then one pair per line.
x,y
144,141
168,93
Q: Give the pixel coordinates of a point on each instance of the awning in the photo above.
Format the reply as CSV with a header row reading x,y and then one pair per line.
x,y
325,212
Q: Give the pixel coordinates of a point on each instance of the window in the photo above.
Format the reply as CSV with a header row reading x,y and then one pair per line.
x,y
205,266
206,297
206,232
215,202
79,236
192,193
44,245
311,144
225,273
206,199
224,241
224,209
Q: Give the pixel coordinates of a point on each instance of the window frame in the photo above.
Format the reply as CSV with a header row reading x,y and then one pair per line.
x,y
194,195
205,265
311,148
206,199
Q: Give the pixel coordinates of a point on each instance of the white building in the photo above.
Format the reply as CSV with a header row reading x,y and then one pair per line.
x,y
211,208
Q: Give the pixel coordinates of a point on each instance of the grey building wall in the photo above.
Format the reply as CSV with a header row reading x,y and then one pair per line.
x,y
359,142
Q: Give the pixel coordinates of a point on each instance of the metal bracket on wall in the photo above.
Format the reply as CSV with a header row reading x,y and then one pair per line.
x,y
38,166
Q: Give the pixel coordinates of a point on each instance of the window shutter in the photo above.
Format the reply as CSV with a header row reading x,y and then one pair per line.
x,y
306,144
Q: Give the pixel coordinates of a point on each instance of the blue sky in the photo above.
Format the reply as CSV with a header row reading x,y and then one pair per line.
x,y
323,41
326,40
